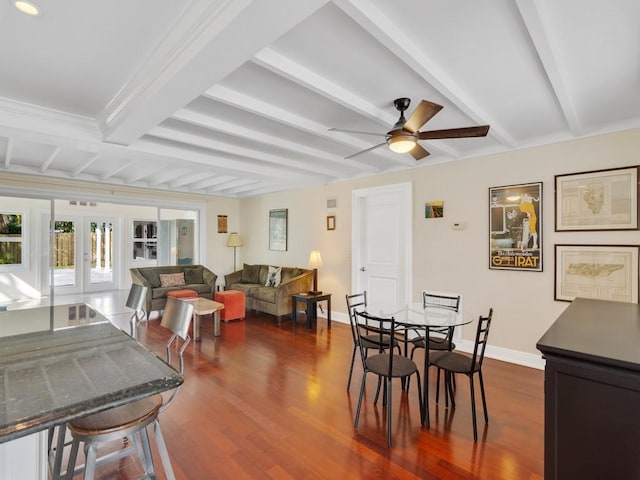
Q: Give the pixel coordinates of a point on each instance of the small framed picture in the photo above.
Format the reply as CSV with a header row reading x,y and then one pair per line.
x,y
331,222
222,224
278,224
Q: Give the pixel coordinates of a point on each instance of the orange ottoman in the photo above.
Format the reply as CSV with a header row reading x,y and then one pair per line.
x,y
233,301
185,293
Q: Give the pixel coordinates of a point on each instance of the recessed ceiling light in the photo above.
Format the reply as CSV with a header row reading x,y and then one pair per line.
x,y
27,7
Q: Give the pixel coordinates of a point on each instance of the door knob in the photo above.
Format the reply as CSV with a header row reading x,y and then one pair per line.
x,y
362,269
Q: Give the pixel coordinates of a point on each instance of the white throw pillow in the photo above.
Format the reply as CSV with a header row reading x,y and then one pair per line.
x,y
273,277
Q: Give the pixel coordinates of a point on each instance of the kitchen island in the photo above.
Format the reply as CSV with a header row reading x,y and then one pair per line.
x,y
64,362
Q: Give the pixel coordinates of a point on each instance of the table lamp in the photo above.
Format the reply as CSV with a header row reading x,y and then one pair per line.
x,y
315,261
235,240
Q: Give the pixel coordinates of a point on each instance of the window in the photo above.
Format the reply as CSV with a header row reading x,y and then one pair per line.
x,y
145,239
11,238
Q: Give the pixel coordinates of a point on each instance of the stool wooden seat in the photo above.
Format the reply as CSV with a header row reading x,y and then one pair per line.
x,y
233,301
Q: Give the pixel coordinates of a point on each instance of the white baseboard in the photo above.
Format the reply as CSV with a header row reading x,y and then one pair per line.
x,y
498,353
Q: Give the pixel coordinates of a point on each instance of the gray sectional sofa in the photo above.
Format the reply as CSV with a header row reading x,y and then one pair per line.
x,y
272,300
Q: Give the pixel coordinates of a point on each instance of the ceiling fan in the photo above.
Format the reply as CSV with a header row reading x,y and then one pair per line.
x,y
404,135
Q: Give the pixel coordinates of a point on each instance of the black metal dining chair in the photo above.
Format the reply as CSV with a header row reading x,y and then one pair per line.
x,y
358,302
469,365
385,364
442,338
131,420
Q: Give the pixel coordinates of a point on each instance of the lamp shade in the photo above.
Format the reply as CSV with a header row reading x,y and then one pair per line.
x,y
315,259
234,240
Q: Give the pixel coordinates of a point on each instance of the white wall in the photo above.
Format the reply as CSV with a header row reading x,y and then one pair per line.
x,y
443,258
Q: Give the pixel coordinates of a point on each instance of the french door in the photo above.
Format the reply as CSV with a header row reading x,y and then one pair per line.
x,y
83,251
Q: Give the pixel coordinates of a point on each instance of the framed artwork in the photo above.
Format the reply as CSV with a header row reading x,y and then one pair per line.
x,y
599,200
604,272
278,229
331,222
515,227
222,224
434,209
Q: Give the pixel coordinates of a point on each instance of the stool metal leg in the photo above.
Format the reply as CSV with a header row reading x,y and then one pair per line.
x,y
90,452
162,448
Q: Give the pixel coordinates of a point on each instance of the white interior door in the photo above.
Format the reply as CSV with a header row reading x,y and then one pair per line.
x,y
381,243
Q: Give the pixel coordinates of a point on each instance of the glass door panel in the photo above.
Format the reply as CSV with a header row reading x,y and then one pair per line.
x,y
65,249
99,254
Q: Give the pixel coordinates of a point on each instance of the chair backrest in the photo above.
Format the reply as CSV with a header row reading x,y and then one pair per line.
x,y
451,301
444,300
135,301
177,318
482,335
355,302
374,327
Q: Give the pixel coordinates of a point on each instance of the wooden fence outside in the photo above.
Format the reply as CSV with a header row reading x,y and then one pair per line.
x,y
64,245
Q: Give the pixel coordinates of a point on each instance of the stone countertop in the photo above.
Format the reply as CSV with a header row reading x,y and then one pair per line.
x,y
78,364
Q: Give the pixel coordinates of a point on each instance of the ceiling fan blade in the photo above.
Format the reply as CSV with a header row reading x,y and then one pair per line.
x,y
365,150
418,152
421,115
479,131
356,131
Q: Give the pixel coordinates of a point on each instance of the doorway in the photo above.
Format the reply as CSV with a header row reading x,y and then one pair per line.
x,y
83,254
382,243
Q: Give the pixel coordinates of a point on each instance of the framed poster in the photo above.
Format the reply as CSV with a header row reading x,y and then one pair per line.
x,y
599,200
515,227
278,229
604,272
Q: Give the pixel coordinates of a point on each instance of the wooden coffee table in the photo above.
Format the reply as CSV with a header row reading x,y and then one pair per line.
x,y
204,306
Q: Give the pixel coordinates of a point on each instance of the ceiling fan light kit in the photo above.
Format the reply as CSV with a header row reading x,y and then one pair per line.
x,y
401,141
404,135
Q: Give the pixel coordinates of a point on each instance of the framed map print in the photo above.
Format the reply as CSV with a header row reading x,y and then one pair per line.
x,y
599,200
603,272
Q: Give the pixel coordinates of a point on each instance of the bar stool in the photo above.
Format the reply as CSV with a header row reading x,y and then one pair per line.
x,y
132,419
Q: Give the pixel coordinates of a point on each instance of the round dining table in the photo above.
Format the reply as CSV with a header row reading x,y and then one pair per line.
x,y
422,319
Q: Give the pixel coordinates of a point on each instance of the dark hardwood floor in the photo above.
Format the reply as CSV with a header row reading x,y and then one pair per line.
x,y
268,401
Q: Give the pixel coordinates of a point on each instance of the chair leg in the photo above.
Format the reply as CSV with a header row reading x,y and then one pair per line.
x,y
353,358
388,384
420,392
438,386
360,397
162,448
473,409
484,400
375,399
449,386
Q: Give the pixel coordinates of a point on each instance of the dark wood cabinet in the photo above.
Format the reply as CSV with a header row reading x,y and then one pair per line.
x,y
592,392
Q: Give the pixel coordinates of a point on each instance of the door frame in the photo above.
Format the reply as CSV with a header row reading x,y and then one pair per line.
x,y
405,194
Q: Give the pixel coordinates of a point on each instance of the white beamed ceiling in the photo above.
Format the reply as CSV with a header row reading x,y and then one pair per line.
x,y
236,98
